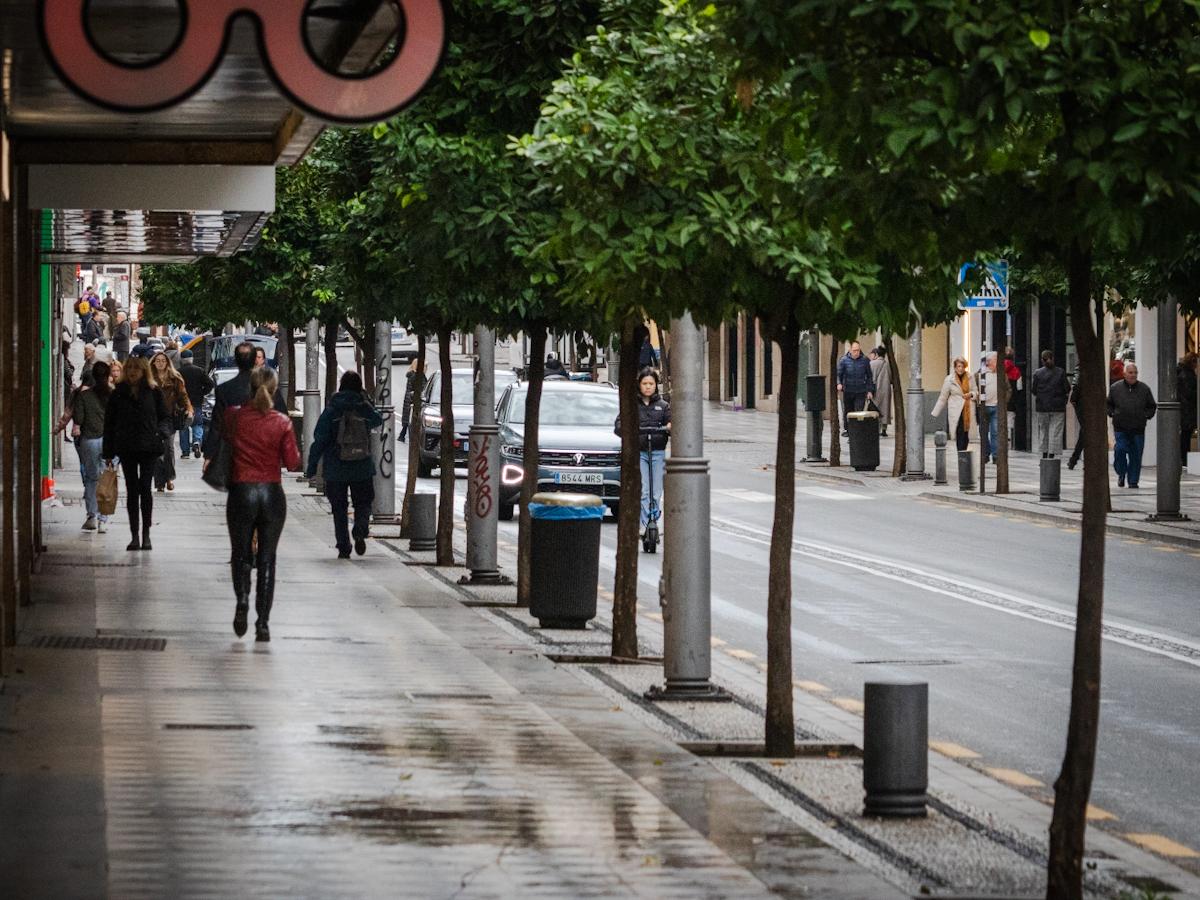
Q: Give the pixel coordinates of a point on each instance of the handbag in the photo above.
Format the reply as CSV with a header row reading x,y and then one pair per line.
x,y
219,472
106,492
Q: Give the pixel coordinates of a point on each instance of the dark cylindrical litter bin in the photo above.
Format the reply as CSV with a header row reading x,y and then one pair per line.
x,y
1051,480
966,470
864,440
422,522
895,749
564,563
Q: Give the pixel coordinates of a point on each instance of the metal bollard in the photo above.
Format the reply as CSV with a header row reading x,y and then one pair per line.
x,y
939,457
966,470
895,749
1051,480
422,531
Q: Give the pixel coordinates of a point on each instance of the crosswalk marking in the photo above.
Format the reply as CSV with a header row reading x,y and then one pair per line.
x,y
745,495
748,496
830,493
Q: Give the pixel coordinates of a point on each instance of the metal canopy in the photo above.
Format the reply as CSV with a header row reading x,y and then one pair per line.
x,y
237,119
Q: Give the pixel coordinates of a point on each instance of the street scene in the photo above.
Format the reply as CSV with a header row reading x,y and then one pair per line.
x,y
599,449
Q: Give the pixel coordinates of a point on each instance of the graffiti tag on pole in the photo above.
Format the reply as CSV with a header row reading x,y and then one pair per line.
x,y
481,478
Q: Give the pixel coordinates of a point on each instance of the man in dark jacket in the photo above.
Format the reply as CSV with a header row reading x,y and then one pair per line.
x,y
343,475
198,384
121,335
854,382
1050,389
1130,406
235,392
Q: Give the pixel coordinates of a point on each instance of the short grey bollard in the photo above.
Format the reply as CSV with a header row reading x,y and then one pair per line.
x,y
422,517
895,749
1051,480
966,470
939,457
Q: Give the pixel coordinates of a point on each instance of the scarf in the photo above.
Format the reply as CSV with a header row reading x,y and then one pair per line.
x,y
964,385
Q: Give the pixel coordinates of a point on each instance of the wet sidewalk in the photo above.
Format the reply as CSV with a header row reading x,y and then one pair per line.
x,y
750,435
389,741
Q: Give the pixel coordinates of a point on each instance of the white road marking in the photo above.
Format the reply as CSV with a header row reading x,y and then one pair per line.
x,y
747,496
829,493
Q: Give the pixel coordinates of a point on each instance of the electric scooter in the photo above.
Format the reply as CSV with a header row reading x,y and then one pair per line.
x,y
650,538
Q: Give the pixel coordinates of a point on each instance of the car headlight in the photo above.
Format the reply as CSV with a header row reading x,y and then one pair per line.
x,y
511,474
431,418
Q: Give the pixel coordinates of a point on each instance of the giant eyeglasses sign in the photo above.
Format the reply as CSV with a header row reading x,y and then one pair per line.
x,y
205,34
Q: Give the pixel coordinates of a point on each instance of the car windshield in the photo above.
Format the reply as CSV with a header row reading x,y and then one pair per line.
x,y
572,408
462,386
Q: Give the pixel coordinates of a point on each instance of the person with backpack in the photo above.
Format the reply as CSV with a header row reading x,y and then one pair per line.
x,y
342,445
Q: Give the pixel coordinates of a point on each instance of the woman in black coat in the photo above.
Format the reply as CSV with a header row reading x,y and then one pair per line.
x,y
133,426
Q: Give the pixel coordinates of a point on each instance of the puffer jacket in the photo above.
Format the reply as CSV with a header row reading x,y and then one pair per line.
x,y
133,423
1131,406
325,446
854,375
263,443
652,413
1050,389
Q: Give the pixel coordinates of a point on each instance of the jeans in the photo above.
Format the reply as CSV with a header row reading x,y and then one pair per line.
x,y
1127,455
90,464
993,432
191,434
1050,429
657,460
362,496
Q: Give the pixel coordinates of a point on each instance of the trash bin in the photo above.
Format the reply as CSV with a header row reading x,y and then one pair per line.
x,y
564,564
864,440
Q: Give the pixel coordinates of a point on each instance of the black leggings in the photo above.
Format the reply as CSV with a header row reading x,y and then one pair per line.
x,y
139,490
255,507
962,438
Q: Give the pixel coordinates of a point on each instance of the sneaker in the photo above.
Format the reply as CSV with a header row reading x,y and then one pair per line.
x,y
1133,486
101,527
196,450
89,524
360,545
343,554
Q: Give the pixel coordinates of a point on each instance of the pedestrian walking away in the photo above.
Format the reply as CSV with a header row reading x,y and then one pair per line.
x,y
955,397
179,409
1130,406
654,416
342,445
197,384
881,373
413,382
1186,375
1016,395
854,383
133,423
554,367
235,392
88,408
988,387
1050,389
1077,405
263,443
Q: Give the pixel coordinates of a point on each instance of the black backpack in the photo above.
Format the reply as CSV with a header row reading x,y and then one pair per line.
x,y
353,438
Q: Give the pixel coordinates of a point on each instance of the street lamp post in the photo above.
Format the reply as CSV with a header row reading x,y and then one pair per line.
x,y
686,588
483,469
311,394
384,509
1169,415
815,438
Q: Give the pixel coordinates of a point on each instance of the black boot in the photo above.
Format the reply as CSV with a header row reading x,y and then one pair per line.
x,y
135,544
146,545
264,599
241,589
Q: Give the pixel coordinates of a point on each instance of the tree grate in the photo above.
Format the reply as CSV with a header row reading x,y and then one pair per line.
x,y
79,642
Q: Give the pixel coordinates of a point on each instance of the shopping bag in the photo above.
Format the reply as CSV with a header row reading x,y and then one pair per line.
x,y
106,492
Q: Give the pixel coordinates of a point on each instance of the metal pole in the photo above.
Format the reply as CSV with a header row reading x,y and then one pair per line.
x,y
483,468
311,395
686,590
914,409
816,425
1169,418
383,511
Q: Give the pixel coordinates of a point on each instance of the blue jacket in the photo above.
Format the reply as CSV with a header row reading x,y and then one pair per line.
x,y
325,446
854,375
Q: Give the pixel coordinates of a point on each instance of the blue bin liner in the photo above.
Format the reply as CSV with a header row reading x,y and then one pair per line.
x,y
545,511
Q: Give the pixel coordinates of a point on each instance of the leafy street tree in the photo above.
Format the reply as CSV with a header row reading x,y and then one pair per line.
x,y
1077,128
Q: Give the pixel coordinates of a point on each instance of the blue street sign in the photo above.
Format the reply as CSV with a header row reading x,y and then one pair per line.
x,y
993,294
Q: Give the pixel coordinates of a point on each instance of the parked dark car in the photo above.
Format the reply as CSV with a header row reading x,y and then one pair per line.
x,y
578,451
429,437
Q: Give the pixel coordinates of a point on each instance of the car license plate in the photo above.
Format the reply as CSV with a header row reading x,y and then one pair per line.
x,y
579,478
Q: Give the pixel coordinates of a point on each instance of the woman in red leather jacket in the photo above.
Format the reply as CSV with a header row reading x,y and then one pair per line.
x,y
263,442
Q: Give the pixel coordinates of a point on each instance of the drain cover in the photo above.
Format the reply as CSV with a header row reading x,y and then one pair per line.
x,y
449,695
78,642
205,726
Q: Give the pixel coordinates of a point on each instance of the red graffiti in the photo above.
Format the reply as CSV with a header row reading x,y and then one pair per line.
x,y
481,477
196,55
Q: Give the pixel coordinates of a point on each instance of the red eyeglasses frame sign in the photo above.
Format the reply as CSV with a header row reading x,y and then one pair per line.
x,y
187,67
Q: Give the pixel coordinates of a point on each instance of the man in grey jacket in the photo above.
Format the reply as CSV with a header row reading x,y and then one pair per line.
x,y
1130,406
1050,389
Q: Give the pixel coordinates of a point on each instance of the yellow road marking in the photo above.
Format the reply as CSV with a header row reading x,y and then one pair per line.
x,y
716,642
849,704
1013,777
813,686
1163,846
953,750
1130,540
1096,814
741,654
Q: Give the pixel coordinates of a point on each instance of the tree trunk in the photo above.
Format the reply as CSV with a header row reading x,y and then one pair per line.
x,y
1073,787
1002,397
287,366
835,421
780,725
624,634
530,459
899,422
414,448
445,523
331,363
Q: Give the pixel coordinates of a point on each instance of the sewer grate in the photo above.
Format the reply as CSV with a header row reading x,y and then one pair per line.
x,y
206,726
80,642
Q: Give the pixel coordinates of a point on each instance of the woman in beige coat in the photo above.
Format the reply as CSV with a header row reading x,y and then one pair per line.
x,y
956,397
